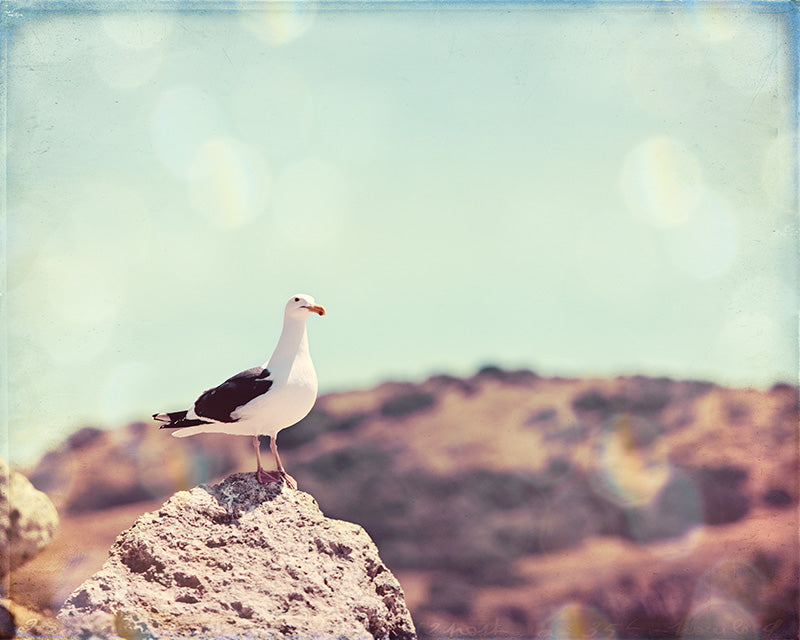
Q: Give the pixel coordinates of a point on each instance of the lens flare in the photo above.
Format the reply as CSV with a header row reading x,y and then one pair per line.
x,y
278,23
712,23
661,182
575,621
165,470
675,513
137,31
719,619
741,45
135,48
733,580
229,182
633,461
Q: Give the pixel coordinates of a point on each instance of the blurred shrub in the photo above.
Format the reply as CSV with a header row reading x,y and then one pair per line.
x,y
407,403
443,381
453,596
317,422
639,398
722,491
698,388
348,422
737,413
308,429
777,498
491,371
83,438
674,511
105,495
592,400
518,376
542,415
476,523
570,434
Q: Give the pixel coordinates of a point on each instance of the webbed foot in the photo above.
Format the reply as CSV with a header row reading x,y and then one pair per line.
x,y
265,477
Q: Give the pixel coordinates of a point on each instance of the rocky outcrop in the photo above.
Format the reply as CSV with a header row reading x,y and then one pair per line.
x,y
240,560
28,519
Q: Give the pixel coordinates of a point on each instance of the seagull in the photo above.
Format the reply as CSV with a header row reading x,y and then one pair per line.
x,y
261,400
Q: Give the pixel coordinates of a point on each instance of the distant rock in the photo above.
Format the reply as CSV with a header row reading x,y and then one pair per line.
x,y
28,519
240,560
96,469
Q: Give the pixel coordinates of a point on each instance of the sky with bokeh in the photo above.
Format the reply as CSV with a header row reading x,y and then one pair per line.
x,y
579,189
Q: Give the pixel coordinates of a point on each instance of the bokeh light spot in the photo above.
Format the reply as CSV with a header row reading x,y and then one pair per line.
x,y
709,22
575,621
278,22
733,580
165,470
633,460
661,181
229,182
675,512
137,31
134,52
719,619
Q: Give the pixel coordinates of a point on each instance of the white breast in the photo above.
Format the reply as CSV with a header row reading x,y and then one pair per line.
x,y
288,401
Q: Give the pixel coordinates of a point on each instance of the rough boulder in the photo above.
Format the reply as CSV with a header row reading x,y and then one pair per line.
x,y
28,519
240,560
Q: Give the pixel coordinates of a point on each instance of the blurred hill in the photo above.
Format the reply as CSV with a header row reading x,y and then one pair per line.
x,y
506,503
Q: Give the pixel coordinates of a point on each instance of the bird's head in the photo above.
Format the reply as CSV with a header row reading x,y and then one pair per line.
x,y
302,304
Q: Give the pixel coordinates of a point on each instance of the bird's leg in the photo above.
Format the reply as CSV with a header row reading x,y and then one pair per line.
x,y
273,445
262,475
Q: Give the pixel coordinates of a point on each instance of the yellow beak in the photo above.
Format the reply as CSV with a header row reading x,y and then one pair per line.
x,y
315,308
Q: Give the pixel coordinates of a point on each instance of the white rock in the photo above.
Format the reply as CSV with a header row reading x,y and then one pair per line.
x,y
240,560
28,519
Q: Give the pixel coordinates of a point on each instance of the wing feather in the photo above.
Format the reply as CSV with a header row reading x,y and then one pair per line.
x,y
222,401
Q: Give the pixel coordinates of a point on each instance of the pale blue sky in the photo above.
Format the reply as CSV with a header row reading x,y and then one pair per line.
x,y
581,190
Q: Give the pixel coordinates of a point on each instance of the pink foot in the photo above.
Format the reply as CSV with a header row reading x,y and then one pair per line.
x,y
264,477
290,481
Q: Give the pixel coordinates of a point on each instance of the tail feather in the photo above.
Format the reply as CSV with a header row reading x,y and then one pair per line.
x,y
173,416
177,420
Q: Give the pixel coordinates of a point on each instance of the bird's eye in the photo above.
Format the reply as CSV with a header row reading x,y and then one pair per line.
x,y
297,299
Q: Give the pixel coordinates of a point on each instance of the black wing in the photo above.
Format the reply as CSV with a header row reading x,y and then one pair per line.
x,y
220,402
